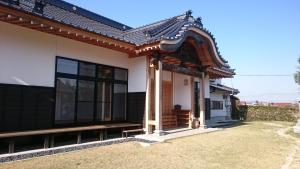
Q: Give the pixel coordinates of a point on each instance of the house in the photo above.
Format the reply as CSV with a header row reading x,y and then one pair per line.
x,y
223,101
63,66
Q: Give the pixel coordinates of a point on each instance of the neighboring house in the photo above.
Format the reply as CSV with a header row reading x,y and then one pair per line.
x,y
282,104
222,101
63,66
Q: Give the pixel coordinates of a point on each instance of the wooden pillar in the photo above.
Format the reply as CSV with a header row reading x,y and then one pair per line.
x,y
148,98
202,102
173,93
158,99
191,114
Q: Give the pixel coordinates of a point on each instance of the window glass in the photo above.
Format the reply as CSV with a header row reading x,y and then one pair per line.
x,y
121,74
96,98
67,66
216,105
119,103
87,69
105,72
65,100
104,101
85,103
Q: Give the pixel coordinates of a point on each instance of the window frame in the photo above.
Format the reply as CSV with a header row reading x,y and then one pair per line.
x,y
95,79
219,107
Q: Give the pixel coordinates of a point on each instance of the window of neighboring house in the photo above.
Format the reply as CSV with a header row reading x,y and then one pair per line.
x,y
216,105
88,92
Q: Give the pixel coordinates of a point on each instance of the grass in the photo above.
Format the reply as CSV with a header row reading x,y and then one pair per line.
x,y
251,145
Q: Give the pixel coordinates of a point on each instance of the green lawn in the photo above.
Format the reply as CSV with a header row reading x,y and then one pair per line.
x,y
251,145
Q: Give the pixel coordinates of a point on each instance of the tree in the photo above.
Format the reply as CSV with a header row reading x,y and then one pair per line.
x,y
297,74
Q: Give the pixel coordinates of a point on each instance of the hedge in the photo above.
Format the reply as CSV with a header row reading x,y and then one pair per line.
x,y
268,113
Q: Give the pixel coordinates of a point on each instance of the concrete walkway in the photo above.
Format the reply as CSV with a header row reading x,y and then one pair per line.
x,y
175,133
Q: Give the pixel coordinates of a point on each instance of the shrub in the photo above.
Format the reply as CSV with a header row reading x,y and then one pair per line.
x,y
268,113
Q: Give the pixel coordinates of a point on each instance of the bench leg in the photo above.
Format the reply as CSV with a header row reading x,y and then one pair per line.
x,y
78,138
105,134
11,147
101,137
52,141
46,142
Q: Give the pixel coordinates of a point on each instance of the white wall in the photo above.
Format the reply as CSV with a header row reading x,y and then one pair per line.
x,y
182,93
137,74
28,57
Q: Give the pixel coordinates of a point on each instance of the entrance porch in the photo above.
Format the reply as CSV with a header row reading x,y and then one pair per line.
x,y
175,98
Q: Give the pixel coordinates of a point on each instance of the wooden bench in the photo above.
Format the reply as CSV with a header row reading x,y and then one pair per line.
x,y
49,133
131,131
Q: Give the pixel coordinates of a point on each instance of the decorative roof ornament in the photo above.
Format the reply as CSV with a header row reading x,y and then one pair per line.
x,y
199,21
188,14
39,7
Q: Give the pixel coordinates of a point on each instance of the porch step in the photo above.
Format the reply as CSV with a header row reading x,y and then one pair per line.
x,y
183,117
169,121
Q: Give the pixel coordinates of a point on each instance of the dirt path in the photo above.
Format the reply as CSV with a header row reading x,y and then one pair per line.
x,y
290,158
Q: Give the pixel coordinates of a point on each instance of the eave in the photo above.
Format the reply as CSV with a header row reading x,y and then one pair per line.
x,y
216,73
35,22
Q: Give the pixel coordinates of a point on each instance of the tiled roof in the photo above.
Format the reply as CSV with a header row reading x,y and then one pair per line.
x,y
69,14
169,29
225,88
63,12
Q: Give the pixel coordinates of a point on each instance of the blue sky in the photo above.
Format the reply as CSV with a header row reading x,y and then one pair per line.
x,y
257,37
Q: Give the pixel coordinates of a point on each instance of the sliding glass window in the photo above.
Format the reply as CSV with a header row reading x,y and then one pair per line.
x,y
120,95
65,100
85,101
89,93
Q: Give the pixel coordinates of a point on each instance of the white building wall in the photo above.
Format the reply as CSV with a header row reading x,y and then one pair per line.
x,y
182,92
137,74
28,57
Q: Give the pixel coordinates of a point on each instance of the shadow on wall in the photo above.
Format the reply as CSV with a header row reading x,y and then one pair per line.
x,y
266,113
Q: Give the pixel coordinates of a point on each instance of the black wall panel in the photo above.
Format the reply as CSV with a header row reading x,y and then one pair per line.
x,y
29,105
136,107
12,108
45,111
25,107
1,108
